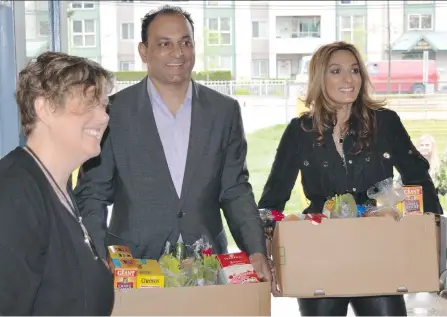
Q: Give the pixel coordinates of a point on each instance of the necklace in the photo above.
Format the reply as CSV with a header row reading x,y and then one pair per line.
x,y
70,205
341,137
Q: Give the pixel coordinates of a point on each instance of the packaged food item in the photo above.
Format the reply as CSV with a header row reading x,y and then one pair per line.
x,y
236,268
149,274
124,267
340,206
179,251
387,195
384,211
211,269
413,202
315,218
119,252
198,265
269,217
170,266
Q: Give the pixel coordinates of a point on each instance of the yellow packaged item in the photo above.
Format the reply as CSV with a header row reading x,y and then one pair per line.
x,y
149,274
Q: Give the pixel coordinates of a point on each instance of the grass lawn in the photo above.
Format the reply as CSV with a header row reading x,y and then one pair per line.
x,y
262,146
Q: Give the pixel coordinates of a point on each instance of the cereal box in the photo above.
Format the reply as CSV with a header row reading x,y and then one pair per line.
x,y
149,274
235,268
413,202
124,267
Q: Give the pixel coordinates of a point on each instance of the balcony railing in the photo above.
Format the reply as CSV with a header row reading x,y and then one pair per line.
x,y
305,34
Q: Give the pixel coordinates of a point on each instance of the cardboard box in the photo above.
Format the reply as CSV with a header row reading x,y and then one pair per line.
x,y
357,257
124,267
252,299
442,247
149,274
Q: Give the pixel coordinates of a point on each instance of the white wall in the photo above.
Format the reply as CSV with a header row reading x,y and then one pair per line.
x,y
109,36
242,40
377,34
441,16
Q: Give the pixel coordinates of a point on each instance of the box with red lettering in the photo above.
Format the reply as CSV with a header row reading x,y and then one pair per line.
x,y
124,267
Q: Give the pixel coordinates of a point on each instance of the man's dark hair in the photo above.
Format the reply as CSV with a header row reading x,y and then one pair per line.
x,y
166,9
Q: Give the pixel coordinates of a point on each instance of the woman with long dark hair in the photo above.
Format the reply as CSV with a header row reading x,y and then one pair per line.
x,y
345,143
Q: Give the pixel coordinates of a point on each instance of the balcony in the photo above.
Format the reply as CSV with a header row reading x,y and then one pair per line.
x,y
297,34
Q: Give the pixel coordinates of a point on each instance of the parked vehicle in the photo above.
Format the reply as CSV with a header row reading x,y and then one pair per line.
x,y
406,76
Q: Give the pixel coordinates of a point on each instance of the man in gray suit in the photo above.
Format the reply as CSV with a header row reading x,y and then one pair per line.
x,y
174,155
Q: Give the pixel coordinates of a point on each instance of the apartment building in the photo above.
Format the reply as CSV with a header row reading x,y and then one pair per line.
x,y
84,29
297,29
253,39
293,30
422,27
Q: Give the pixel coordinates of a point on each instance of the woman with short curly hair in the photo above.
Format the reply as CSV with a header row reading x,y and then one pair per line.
x,y
48,263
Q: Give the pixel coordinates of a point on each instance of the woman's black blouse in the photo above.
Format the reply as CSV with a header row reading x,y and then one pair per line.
x,y
46,268
323,172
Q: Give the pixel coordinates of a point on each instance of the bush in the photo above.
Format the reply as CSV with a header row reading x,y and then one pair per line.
x,y
130,75
210,75
242,92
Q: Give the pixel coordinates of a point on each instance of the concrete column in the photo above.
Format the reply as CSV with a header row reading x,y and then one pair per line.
x,y
55,24
9,122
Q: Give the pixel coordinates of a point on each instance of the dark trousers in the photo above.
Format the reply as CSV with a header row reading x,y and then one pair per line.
x,y
362,306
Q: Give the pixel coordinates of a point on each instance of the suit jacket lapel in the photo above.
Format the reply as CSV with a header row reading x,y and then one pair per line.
x,y
149,152
201,122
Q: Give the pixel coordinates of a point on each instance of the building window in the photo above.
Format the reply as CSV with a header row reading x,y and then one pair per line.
x,y
420,22
219,31
44,28
127,31
219,62
82,4
420,2
125,66
259,29
344,2
84,33
352,30
297,27
218,3
260,68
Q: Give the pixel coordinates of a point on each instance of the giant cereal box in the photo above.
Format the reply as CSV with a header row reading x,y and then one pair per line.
x,y
413,202
124,267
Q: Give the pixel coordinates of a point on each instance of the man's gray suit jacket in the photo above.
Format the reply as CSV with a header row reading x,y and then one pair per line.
x,y
132,174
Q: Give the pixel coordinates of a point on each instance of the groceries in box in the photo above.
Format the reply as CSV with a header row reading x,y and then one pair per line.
x,y
124,267
235,268
130,273
387,198
193,265
413,202
149,274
